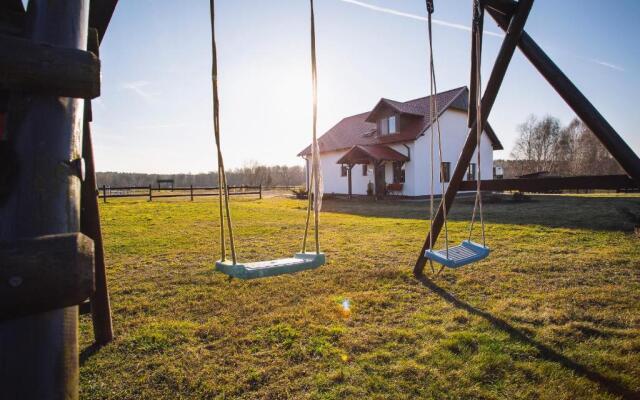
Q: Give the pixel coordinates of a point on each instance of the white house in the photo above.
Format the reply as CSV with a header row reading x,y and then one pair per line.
x,y
389,147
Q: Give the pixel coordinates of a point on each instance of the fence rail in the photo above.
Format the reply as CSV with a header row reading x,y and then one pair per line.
x,y
151,193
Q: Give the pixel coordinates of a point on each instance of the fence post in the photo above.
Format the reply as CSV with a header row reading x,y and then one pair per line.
x,y
150,193
191,191
260,192
104,193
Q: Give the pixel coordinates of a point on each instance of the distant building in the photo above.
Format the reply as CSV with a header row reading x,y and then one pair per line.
x,y
388,148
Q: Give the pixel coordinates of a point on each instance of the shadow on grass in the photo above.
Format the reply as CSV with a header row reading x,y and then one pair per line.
x,y
578,212
546,352
89,351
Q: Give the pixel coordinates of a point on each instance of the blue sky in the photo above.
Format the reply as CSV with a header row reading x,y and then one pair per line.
x,y
154,114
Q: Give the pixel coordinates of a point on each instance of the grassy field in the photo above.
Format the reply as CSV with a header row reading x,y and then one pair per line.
x,y
554,313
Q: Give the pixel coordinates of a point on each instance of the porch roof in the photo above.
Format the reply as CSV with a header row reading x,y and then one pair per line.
x,y
364,154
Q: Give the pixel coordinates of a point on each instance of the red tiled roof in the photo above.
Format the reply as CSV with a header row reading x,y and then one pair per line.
x,y
357,130
361,154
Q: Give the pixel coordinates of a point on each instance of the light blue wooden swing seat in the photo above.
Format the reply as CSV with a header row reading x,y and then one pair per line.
x,y
466,253
262,269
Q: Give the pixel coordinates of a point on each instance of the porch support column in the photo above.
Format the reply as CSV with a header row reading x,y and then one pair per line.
x,y
349,168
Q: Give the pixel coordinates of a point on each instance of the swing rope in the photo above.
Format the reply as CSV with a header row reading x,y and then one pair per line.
x,y
315,201
467,252
223,188
435,120
477,27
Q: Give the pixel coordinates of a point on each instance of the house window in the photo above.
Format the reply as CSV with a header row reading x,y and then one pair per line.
x,y
445,172
398,172
392,124
365,169
471,174
343,170
384,127
389,125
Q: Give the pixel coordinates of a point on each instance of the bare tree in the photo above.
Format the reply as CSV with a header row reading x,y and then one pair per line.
x,y
537,144
543,145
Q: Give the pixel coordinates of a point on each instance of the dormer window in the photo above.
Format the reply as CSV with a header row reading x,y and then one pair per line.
x,y
392,124
389,125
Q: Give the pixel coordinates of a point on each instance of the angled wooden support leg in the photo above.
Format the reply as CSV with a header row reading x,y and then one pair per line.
x,y
583,108
90,226
503,59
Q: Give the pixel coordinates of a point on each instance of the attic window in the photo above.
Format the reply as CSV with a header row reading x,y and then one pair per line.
x,y
389,125
392,124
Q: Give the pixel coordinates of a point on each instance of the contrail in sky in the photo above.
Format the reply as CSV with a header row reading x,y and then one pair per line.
x,y
418,17
459,27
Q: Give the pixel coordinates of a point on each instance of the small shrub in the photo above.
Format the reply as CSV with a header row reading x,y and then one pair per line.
x,y
300,193
520,197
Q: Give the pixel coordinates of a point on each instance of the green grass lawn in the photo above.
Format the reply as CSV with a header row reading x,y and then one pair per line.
x,y
553,313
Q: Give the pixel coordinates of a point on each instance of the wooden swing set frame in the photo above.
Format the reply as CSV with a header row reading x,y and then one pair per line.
x,y
511,17
46,92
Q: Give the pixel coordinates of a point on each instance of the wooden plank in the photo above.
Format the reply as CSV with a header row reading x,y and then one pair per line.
x,y
603,182
45,273
31,67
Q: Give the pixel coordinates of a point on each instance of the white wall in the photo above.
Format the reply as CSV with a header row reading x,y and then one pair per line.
x,y
453,125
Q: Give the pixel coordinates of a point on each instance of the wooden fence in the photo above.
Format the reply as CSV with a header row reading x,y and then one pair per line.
x,y
151,193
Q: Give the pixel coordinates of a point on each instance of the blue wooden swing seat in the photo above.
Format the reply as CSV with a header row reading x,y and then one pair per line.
x,y
263,269
466,253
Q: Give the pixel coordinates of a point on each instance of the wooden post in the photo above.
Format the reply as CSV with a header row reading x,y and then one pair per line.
x,y
150,193
39,352
260,191
503,59
191,191
90,226
104,193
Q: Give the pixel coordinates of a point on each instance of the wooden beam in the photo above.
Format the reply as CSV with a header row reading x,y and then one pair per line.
x,y
45,273
12,21
578,102
100,14
40,351
503,59
475,58
506,7
90,225
603,182
30,67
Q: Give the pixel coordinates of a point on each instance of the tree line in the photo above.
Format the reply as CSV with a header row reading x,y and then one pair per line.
x,y
252,174
544,145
